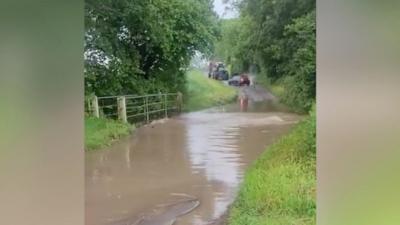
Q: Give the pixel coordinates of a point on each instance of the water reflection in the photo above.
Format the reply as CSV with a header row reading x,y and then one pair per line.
x,y
203,154
243,102
213,151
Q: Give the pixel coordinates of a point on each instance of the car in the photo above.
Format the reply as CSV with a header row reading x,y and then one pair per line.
x,y
244,80
234,81
239,80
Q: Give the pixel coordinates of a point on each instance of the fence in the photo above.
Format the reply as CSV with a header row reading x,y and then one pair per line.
x,y
133,108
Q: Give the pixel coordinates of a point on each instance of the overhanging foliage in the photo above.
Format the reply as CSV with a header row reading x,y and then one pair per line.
x,y
135,46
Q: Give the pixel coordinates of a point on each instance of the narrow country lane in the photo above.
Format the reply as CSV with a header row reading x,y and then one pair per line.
x,y
186,169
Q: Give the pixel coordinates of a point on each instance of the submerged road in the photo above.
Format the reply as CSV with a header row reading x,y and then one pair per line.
x,y
185,170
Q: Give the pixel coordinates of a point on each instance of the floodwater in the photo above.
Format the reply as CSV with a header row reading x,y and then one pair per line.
x,y
186,169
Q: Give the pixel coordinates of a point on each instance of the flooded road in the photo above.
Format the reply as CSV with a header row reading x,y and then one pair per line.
x,y
201,154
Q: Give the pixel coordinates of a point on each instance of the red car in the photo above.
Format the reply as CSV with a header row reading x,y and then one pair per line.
x,y
244,80
239,80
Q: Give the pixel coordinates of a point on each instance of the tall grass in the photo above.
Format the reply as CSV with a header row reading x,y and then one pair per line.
x,y
276,88
290,92
100,132
279,189
203,92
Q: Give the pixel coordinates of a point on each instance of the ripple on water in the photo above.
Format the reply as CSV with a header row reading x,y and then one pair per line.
x,y
204,154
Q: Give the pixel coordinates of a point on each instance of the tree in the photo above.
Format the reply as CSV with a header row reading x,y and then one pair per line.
x,y
301,69
278,37
137,47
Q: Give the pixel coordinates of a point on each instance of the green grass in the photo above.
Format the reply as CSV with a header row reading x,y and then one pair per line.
x,y
203,92
100,132
279,188
290,91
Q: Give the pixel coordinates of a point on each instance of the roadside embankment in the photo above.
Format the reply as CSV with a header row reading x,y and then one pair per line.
x,y
293,93
101,132
276,88
280,187
203,92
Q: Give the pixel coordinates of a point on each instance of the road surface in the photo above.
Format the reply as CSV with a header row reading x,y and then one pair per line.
x,y
141,179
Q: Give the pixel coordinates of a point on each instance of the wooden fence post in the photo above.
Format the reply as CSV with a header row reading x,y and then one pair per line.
x,y
166,106
147,109
179,101
95,107
122,109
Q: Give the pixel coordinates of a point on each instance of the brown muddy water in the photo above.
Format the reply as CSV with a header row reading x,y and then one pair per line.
x,y
185,170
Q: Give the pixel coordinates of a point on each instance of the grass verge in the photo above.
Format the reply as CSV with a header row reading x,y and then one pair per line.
x,y
279,189
277,89
101,132
203,92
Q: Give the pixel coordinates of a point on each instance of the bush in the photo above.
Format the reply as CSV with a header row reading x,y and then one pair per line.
x,y
101,132
141,47
300,93
278,38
